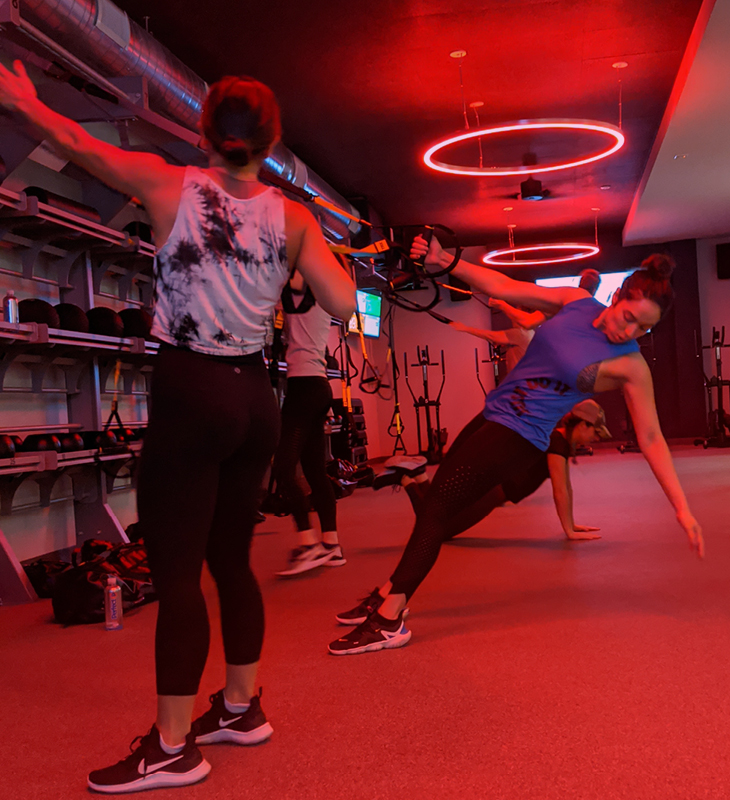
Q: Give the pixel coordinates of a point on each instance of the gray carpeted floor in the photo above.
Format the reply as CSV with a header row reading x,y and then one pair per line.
x,y
537,668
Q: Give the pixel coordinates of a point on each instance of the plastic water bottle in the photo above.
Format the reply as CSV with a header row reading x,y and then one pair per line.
x,y
113,604
10,307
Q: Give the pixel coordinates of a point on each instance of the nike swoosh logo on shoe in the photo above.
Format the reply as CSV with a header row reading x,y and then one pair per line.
x,y
223,723
156,767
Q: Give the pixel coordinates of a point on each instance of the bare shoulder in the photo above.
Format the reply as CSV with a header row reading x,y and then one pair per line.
x,y
298,218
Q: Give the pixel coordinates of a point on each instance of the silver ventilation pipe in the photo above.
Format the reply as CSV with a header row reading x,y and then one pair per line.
x,y
103,37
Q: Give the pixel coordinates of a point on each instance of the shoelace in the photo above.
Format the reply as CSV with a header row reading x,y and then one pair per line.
x,y
137,739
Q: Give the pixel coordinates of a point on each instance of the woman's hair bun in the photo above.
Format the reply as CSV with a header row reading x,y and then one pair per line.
x,y
237,151
659,266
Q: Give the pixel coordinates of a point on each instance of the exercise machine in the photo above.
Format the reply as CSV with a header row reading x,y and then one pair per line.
x,y
717,419
435,436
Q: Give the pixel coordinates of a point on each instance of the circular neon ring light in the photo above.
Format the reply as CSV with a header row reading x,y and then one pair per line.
x,y
576,253
527,124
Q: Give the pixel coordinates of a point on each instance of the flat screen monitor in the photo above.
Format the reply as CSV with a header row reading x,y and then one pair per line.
x,y
610,282
368,304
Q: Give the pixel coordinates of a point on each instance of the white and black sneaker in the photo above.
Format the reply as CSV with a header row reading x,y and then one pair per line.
x,y
218,724
376,633
306,557
151,767
338,557
398,467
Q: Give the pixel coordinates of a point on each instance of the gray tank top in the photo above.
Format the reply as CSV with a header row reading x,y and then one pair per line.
x,y
308,334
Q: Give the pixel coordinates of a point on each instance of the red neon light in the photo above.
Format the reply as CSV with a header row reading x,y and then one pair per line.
x,y
582,251
528,124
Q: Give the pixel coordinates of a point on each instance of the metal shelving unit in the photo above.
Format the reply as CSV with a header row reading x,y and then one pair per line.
x,y
82,253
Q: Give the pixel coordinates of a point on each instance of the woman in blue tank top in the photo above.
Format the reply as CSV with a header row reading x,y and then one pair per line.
x,y
583,348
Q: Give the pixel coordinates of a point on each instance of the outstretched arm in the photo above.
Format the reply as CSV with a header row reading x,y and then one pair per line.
x,y
524,319
498,338
495,284
134,174
559,469
639,393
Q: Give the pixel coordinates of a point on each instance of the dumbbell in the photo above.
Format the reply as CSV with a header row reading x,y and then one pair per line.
x,y
72,318
137,322
7,447
105,321
41,442
101,439
124,434
71,442
36,310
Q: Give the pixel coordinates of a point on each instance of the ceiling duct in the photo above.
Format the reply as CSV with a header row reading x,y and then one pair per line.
x,y
102,36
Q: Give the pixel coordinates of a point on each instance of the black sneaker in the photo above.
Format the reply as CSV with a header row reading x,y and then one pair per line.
x,y
218,724
150,767
362,610
375,633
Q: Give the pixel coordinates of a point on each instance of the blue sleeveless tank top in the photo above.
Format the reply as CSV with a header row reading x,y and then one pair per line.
x,y
544,385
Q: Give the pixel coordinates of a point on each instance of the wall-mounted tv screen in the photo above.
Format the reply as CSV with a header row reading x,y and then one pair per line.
x,y
610,282
368,304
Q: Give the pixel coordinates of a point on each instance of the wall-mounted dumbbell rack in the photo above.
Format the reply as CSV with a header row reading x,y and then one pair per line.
x,y
83,254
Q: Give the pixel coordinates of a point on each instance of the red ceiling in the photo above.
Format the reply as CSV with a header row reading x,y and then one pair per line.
x,y
365,88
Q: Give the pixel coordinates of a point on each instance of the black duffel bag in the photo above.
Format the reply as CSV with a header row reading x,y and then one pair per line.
x,y
78,595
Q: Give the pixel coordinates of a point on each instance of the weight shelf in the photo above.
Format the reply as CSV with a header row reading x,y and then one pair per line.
x,y
50,460
37,333
60,232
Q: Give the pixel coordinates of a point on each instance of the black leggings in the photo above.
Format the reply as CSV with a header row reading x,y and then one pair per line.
x,y
303,415
483,457
213,428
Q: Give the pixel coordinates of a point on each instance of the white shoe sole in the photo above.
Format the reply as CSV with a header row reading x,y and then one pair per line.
x,y
336,562
256,736
389,644
306,566
406,463
156,780
359,620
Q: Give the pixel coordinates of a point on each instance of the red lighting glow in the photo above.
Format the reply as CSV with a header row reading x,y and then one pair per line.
x,y
571,251
602,128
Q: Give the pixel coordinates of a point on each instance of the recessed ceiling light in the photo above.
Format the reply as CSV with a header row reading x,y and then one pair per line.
x,y
595,209
476,104
508,208
457,53
511,225
620,64
605,187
